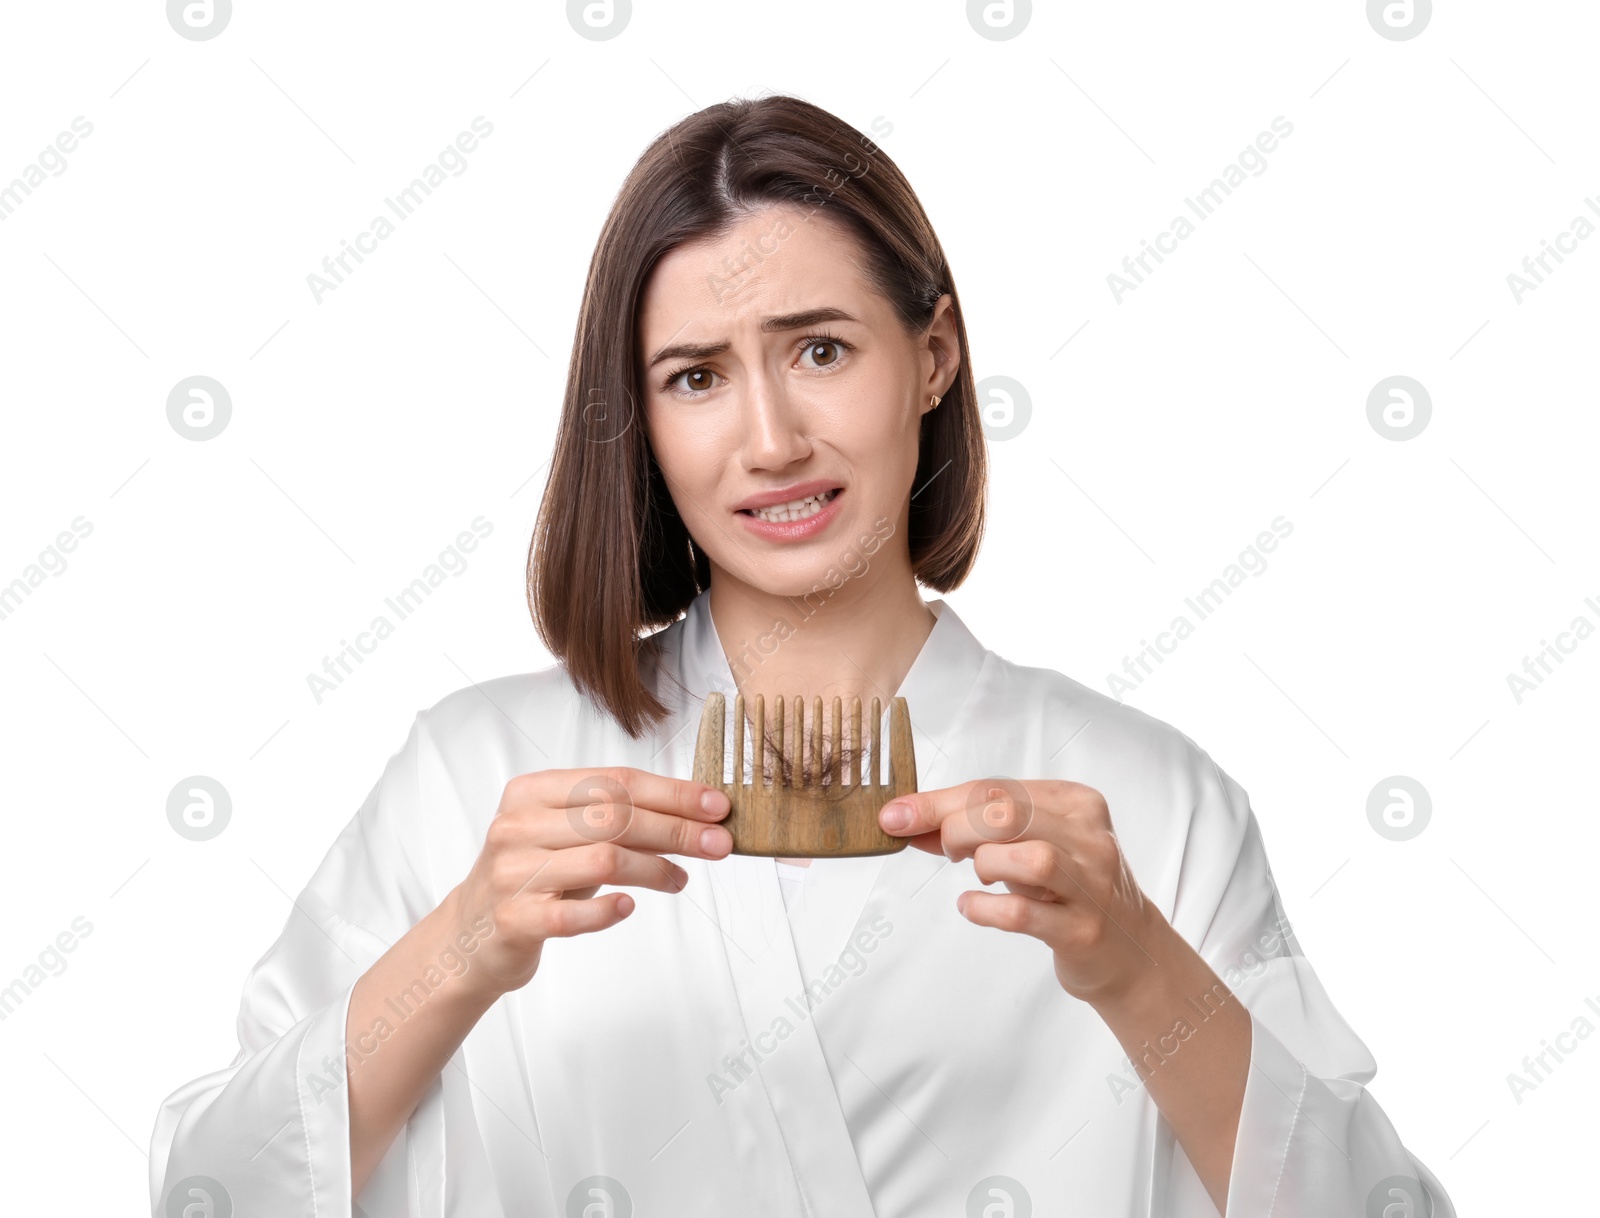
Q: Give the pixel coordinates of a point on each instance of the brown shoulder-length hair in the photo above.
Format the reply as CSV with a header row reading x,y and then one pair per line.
x,y
611,558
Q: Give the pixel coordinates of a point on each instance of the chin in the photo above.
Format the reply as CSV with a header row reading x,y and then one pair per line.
x,y
816,580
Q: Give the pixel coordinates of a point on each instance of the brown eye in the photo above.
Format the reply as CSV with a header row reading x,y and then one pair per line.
x,y
823,353
700,379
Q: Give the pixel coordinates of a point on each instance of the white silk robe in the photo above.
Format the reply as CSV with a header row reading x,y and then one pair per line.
x,y
869,1053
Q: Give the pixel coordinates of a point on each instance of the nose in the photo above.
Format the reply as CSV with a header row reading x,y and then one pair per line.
x,y
774,425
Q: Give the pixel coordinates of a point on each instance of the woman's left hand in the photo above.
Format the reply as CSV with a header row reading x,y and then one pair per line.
x,y
1050,841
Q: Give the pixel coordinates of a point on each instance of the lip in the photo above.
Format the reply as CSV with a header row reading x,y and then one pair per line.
x,y
796,530
800,490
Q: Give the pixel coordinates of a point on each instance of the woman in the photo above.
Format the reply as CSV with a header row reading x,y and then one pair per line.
x,y
457,1020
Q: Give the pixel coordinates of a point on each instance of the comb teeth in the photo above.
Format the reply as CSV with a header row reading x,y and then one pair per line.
x,y
792,748
830,815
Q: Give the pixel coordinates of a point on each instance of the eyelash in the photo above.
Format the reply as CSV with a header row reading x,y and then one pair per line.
x,y
810,341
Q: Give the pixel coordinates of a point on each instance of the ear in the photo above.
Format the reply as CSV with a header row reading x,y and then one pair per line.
x,y
944,346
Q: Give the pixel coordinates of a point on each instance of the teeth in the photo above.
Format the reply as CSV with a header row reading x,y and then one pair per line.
x,y
796,509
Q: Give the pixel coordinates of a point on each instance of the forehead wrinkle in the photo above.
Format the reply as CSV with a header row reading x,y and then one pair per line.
x,y
762,286
775,324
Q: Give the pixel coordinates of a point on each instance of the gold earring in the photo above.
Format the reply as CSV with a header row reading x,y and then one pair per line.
x,y
935,400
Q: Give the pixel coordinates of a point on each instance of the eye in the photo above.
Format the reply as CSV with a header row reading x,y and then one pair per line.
x,y
826,349
699,381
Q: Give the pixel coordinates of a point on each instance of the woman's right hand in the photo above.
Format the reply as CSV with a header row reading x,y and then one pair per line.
x,y
560,834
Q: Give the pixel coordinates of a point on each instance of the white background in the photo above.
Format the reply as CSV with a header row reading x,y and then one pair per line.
x,y
371,428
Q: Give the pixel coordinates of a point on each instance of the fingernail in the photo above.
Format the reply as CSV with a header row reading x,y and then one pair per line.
x,y
895,816
714,802
715,839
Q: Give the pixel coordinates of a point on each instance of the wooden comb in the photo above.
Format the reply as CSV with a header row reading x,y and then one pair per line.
x,y
805,818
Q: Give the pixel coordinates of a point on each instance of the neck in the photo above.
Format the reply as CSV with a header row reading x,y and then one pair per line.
x,y
858,640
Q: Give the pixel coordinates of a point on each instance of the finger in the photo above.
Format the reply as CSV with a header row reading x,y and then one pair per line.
x,y
643,789
598,806
932,842
662,833
562,919
964,816
1027,890
1043,920
642,829
920,812
1084,920
1033,866
587,867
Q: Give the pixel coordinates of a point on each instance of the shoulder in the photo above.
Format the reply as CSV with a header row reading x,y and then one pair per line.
x,y
1114,728
520,720
527,721
1185,826
543,697
1161,775
533,697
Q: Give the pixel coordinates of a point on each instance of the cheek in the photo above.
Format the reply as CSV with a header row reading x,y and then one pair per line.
x,y
669,443
689,460
894,437
878,424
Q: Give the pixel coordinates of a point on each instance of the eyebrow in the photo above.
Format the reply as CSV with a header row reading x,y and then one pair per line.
x,y
770,325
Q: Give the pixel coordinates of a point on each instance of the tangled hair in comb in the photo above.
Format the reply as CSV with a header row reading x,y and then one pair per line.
x,y
778,768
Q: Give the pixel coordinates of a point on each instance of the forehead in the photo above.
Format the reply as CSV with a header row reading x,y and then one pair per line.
x,y
781,259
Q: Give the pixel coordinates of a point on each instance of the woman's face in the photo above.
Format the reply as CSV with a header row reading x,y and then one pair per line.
x,y
773,373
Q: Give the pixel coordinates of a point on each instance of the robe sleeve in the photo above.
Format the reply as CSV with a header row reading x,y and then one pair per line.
x,y
273,1127
1312,1140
